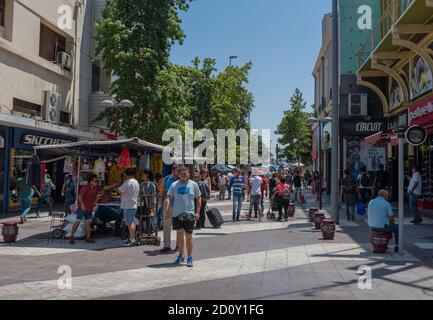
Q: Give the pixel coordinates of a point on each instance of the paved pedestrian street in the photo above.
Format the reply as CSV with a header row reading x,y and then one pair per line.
x,y
244,260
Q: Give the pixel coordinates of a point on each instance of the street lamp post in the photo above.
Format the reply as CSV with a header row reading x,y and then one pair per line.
x,y
126,104
401,137
231,58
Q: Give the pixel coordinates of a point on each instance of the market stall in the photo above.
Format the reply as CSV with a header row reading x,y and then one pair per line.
x,y
109,161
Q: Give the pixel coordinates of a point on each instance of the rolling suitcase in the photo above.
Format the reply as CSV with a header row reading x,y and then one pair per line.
x,y
215,217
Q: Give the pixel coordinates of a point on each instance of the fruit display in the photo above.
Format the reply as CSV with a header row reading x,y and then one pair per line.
x,y
114,175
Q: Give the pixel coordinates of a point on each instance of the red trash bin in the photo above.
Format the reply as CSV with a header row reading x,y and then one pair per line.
x,y
379,241
311,213
10,231
328,229
318,219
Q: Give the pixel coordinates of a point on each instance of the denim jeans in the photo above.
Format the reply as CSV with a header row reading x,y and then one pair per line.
x,y
255,202
26,206
42,202
413,205
160,219
237,205
298,191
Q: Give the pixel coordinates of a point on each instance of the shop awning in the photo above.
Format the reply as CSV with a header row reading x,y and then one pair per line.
x,y
55,152
370,140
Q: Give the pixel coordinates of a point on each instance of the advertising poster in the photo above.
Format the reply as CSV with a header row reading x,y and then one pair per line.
x,y
374,157
421,78
354,159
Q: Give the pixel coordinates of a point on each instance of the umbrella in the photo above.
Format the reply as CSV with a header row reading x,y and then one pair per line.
x,y
220,168
285,165
259,171
298,165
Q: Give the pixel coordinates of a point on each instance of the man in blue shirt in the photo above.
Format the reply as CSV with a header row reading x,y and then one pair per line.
x,y
169,180
381,217
237,184
183,205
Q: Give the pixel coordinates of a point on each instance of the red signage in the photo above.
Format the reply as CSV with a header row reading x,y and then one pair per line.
x,y
421,112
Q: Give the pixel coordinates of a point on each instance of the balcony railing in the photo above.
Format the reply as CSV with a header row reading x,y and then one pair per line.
x,y
390,15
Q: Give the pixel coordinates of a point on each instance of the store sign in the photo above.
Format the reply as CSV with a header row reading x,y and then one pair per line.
x,y
34,140
399,121
416,135
361,128
422,112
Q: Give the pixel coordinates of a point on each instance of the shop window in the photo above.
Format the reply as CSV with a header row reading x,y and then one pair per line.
x,y
27,108
65,117
50,44
19,161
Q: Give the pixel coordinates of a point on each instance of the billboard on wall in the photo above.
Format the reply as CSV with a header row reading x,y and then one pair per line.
x,y
422,80
357,17
395,96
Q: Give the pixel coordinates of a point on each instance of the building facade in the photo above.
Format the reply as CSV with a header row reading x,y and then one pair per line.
x,y
49,83
360,109
399,52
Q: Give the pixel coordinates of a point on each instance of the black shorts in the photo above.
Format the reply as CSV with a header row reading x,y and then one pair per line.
x,y
188,226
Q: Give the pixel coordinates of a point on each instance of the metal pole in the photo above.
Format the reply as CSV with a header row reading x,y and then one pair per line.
x,y
320,167
335,206
401,190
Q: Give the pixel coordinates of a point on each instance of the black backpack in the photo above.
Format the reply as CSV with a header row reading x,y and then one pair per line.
x,y
204,190
365,180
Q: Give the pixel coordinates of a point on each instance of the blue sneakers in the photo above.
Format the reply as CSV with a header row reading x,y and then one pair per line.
x,y
189,263
180,260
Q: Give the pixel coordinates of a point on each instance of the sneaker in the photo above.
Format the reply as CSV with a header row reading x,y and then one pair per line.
x,y
90,240
38,216
180,260
71,240
189,263
165,250
419,221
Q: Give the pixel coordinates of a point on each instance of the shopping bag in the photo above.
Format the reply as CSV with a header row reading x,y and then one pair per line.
x,y
360,208
74,208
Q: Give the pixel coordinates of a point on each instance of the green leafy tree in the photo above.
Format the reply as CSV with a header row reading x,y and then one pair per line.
x,y
134,40
295,130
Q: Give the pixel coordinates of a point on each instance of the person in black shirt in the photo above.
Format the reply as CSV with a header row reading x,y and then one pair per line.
x,y
297,184
381,180
272,185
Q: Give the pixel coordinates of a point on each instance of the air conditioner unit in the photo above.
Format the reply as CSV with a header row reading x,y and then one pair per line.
x,y
51,106
358,104
65,60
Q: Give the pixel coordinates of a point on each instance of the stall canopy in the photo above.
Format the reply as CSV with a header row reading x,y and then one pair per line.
x,y
56,152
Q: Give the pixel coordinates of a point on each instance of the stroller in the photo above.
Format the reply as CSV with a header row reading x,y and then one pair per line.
x,y
273,207
147,231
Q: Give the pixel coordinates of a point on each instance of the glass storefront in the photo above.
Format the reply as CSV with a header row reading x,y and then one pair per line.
x,y
19,160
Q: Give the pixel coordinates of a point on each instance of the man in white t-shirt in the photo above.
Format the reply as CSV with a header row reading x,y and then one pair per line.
x,y
415,192
255,187
222,182
130,191
229,187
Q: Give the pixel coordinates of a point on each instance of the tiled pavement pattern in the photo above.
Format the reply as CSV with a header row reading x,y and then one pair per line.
x,y
246,260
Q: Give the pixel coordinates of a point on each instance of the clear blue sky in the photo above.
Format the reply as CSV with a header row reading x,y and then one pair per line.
x,y
281,37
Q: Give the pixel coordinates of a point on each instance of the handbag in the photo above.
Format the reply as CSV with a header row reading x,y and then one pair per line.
x,y
360,208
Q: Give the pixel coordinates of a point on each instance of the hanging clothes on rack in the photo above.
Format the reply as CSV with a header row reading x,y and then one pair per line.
x,y
68,166
157,164
34,174
125,158
145,162
99,169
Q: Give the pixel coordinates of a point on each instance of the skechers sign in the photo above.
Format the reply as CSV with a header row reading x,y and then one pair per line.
x,y
361,128
33,140
416,135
